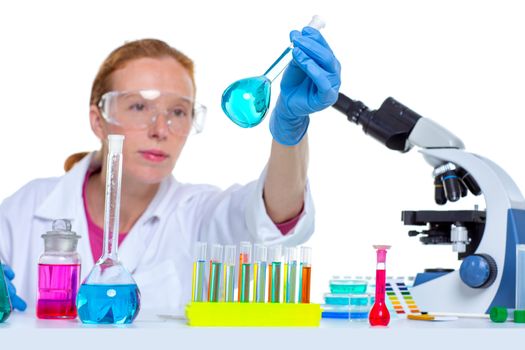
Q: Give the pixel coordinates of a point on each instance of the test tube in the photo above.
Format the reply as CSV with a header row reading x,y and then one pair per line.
x,y
290,275
214,286
199,270
306,273
245,255
520,277
274,274
229,273
260,261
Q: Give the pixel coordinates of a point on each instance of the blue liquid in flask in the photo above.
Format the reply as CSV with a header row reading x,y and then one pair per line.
x,y
108,303
246,101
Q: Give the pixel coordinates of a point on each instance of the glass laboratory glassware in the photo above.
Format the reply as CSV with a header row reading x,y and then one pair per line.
x,y
109,295
58,273
274,274
199,272
214,287
260,262
379,315
245,256
246,101
290,275
229,273
306,274
5,301
520,277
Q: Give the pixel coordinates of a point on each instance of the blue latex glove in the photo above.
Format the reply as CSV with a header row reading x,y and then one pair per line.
x,y
310,83
16,302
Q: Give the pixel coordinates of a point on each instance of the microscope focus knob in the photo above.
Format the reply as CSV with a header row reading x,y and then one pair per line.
x,y
478,271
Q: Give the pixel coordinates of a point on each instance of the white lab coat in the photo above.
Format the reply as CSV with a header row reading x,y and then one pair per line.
x,y
158,250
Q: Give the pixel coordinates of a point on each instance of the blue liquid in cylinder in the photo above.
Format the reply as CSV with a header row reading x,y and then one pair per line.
x,y
246,101
108,303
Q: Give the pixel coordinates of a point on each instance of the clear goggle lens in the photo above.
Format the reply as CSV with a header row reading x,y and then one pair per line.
x,y
139,109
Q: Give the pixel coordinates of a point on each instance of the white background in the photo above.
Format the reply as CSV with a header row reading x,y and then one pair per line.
x,y
460,63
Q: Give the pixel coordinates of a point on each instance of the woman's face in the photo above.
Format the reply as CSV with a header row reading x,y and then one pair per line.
x,y
149,154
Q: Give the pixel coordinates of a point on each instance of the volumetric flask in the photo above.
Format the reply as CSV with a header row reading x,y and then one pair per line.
x,y
109,295
246,101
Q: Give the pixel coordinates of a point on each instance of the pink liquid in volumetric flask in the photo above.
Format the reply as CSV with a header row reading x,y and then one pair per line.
x,y
57,290
379,315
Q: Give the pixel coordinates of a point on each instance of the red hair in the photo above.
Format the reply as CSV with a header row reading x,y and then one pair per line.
x,y
145,48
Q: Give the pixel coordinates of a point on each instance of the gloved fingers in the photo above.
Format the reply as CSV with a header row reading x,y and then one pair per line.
x,y
327,83
11,289
312,33
323,57
316,35
8,272
17,302
293,75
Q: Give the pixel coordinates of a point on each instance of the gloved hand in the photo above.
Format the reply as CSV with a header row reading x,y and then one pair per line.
x,y
310,83
17,302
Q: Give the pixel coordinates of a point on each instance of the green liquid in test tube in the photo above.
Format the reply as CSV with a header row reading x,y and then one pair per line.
x,y
290,274
214,286
230,258
259,273
245,256
199,272
5,302
274,272
246,101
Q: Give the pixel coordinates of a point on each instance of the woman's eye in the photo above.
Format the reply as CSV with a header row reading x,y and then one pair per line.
x,y
178,112
138,107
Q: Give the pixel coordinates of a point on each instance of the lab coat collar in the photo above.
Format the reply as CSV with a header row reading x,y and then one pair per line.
x,y
63,202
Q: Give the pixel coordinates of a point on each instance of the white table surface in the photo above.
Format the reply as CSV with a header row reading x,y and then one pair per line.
x,y
150,331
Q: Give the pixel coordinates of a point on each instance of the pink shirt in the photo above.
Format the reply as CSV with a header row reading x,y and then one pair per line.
x,y
96,233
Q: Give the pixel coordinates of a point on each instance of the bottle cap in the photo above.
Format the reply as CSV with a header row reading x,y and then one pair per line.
x,y
61,238
498,314
519,316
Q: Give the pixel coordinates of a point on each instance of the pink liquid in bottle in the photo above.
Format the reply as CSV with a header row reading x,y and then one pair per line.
x,y
57,290
379,315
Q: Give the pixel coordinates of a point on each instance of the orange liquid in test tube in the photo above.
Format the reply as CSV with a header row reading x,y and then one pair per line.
x,y
305,287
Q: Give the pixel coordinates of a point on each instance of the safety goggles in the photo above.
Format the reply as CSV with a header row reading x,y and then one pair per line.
x,y
139,109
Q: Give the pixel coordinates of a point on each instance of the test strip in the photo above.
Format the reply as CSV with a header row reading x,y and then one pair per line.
x,y
401,298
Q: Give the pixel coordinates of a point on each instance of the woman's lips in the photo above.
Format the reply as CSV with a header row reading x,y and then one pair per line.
x,y
154,155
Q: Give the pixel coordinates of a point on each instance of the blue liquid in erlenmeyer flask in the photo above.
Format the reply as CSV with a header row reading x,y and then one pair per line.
x,y
108,303
246,101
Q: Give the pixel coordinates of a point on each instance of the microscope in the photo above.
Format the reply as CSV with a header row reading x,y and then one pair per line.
x,y
485,240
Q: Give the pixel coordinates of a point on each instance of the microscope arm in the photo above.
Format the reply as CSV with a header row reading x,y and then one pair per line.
x,y
396,126
399,128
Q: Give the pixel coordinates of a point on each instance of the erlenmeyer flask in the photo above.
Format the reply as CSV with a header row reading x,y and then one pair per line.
x,y
109,295
5,302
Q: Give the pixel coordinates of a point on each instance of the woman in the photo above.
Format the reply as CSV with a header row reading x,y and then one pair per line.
x,y
145,90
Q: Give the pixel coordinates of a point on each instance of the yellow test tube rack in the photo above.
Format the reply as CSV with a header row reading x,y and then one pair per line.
x,y
206,314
